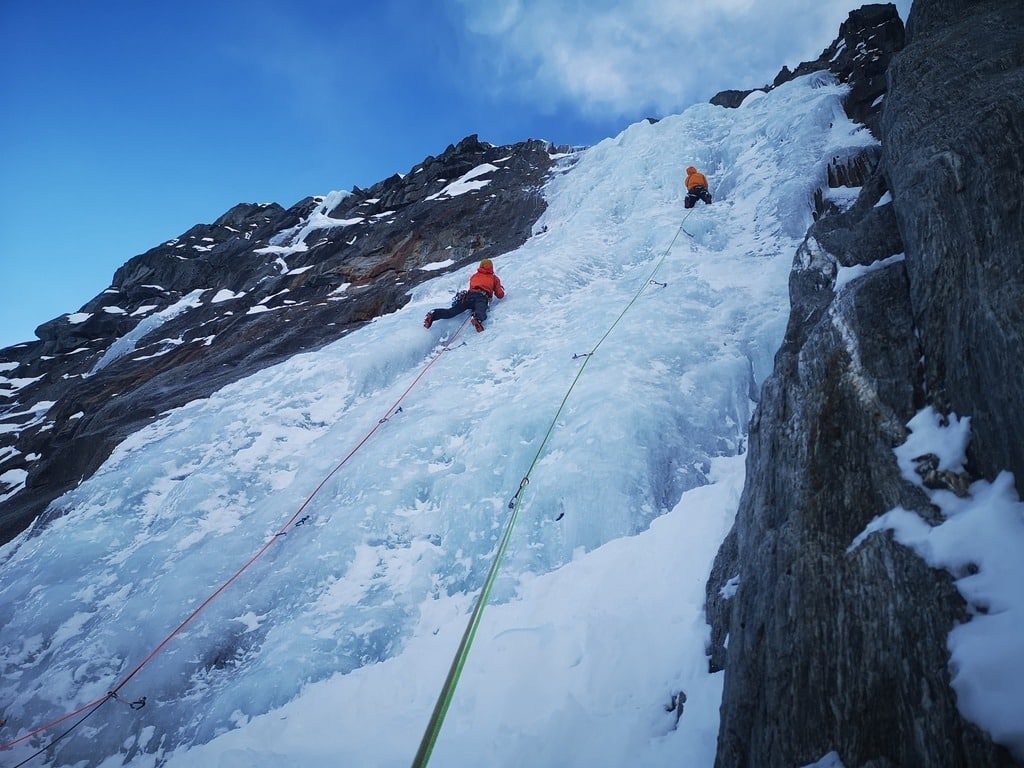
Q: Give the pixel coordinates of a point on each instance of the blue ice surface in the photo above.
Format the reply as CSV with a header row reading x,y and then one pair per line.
x,y
179,506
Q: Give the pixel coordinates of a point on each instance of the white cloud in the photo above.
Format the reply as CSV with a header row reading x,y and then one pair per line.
x,y
624,57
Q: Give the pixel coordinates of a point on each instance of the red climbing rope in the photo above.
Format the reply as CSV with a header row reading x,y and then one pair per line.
x,y
112,693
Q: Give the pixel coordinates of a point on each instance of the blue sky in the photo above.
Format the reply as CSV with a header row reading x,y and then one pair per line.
x,y
125,123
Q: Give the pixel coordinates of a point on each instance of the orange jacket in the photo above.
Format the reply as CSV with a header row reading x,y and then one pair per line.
x,y
485,280
695,178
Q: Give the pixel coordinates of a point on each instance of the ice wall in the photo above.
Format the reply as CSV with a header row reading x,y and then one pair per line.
x,y
409,525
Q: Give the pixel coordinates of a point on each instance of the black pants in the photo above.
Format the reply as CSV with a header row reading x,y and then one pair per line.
x,y
467,300
695,194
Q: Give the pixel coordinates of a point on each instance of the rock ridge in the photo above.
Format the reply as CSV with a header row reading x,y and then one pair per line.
x,y
223,300
827,648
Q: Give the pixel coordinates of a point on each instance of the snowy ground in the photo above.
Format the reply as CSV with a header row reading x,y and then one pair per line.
x,y
332,648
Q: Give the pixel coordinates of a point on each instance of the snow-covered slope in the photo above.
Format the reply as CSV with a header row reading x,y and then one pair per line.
x,y
331,649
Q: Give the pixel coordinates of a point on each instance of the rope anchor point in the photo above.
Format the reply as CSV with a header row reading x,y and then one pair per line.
x,y
522,484
397,411
137,704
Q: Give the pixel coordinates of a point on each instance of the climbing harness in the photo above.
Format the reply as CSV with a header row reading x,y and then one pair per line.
x,y
444,700
293,522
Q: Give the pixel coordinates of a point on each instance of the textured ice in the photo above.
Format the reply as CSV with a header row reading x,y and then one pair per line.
x,y
341,615
550,666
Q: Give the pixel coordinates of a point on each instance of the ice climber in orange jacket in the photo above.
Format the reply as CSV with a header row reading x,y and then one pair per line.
x,y
696,188
482,286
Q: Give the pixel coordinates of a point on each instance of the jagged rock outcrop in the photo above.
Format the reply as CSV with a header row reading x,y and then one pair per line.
x,y
859,56
226,299
730,98
830,649
954,134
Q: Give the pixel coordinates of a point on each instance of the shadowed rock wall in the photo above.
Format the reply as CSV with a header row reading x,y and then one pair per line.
x,y
825,649
954,134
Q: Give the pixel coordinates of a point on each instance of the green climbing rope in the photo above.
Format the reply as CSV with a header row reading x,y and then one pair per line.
x,y
444,700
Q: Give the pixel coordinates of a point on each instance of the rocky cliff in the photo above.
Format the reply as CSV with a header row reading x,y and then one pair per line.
x,y
827,648
226,299
859,57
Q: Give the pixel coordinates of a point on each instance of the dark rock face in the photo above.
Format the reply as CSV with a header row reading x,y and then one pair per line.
x,y
273,282
859,56
954,134
824,648
730,99
829,650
